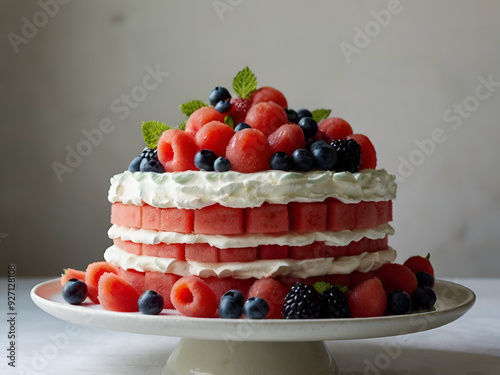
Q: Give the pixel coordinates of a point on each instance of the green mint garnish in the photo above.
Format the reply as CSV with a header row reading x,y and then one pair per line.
x,y
321,286
152,131
428,257
229,120
321,114
183,126
245,83
189,107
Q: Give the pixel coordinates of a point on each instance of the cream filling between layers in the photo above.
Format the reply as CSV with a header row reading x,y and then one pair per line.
x,y
259,269
197,189
343,238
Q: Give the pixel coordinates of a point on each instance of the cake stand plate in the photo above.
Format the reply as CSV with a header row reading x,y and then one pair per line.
x,y
251,347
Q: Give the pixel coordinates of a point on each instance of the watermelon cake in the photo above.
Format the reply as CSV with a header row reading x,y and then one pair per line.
x,y
251,196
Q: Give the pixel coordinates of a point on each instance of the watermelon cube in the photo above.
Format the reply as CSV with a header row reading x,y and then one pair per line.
x,y
335,251
128,246
268,218
340,215
134,278
353,248
315,250
126,215
221,286
151,217
202,252
241,254
176,220
165,250
365,215
272,252
217,219
307,217
384,212
161,283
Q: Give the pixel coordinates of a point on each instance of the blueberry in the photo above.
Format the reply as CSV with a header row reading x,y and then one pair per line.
x,y
291,115
151,165
398,302
423,298
324,156
304,113
221,164
241,126
135,164
74,291
218,94
316,144
281,161
303,159
223,106
425,279
204,160
150,303
255,308
309,126
236,295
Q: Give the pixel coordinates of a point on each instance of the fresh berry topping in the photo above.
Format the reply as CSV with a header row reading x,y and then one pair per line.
x,y
273,292
135,165
292,115
425,279
357,278
317,144
309,126
241,126
302,302
335,127
176,150
334,304
418,263
221,164
223,106
287,138
266,117
150,303
249,151
229,308
397,277
204,160
368,299
201,117
398,302
424,298
236,295
74,291
192,296
219,94
115,294
304,113
93,274
348,155
303,160
70,273
368,153
281,161
149,153
239,109
255,308
151,165
269,94
214,136
324,156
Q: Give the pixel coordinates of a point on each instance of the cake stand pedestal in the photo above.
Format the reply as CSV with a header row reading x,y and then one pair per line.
x,y
255,347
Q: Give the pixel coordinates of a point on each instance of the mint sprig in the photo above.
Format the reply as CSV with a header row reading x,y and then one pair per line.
x,y
322,286
321,114
245,83
189,107
152,131
229,121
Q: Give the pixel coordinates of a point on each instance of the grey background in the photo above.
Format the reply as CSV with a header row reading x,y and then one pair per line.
x,y
398,88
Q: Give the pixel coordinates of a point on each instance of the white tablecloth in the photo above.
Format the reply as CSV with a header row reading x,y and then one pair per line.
x,y
46,345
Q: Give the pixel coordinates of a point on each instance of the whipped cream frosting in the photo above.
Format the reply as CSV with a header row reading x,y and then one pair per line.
x,y
152,237
197,189
259,269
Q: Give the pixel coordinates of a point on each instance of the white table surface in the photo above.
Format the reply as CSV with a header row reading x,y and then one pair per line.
x,y
46,345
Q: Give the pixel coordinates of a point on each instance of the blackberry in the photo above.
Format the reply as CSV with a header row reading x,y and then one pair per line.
x,y
348,155
149,153
334,304
301,302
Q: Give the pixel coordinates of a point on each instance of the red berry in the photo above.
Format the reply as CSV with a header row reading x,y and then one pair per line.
x,y
358,277
116,294
192,296
249,151
201,117
368,153
273,292
176,150
287,138
368,299
239,109
335,127
418,263
321,136
266,117
397,277
214,136
269,94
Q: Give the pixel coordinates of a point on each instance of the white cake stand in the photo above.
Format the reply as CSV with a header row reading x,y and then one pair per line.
x,y
255,347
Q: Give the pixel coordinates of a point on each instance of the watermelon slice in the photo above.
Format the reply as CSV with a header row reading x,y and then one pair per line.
x,y
70,273
151,217
272,252
365,215
128,246
315,250
134,278
116,294
268,218
164,250
202,252
217,219
340,215
241,254
126,215
93,274
177,220
307,217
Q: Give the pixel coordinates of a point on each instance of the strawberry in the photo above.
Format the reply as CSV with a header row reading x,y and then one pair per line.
x,y
368,299
201,117
418,263
239,109
214,136
176,150
287,138
266,117
249,151
368,153
335,127
397,277
269,94
192,296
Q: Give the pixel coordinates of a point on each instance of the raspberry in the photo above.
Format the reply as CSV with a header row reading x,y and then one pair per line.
x,y
302,302
201,117
266,117
273,292
334,304
239,109
192,296
368,299
248,151
335,127
214,136
176,150
348,155
269,94
368,153
397,277
287,138
418,263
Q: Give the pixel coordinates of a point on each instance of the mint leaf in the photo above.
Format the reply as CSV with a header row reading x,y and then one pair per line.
x,y
321,114
229,120
152,131
183,125
321,286
189,107
245,83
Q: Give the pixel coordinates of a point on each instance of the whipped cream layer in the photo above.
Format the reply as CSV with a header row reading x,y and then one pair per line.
x,y
343,238
259,269
197,189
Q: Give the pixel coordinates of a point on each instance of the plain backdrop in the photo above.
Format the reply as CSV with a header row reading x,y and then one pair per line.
x,y
420,78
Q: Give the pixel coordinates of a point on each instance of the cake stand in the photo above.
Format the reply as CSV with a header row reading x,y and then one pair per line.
x,y
255,347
